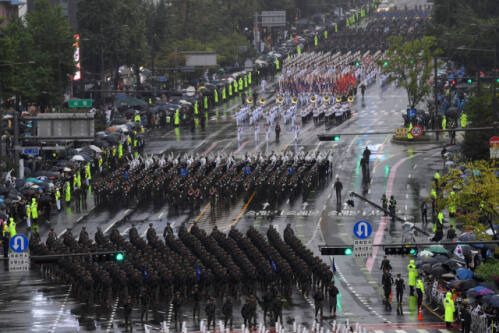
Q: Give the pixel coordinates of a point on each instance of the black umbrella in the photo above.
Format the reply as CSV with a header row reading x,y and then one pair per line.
x,y
2,215
427,268
437,270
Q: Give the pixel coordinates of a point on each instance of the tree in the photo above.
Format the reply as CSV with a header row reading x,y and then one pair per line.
x,y
467,24
411,64
53,49
112,34
475,196
481,114
39,54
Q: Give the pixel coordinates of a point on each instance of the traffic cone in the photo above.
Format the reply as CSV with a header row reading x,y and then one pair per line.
x,y
420,314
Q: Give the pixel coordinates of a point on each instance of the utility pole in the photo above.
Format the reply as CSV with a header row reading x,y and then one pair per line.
x,y
435,65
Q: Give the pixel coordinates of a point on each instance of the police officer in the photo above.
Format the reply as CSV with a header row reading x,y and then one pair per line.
x,y
210,313
267,304
420,292
449,309
392,207
384,203
413,274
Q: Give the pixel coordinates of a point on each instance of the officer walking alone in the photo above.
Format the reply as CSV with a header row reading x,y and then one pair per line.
x,y
338,187
399,288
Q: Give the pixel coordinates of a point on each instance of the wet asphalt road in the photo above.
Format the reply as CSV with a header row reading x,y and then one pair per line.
x,y
32,304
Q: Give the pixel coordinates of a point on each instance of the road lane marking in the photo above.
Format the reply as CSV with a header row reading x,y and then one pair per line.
x,y
61,310
242,211
113,313
117,220
381,228
199,216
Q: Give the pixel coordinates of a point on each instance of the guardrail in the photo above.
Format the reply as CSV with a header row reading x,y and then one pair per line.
x,y
480,323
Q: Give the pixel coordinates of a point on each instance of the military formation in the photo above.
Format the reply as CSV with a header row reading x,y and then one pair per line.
x,y
187,182
195,267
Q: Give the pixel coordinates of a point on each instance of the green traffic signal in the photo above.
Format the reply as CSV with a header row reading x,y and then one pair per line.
x,y
357,64
119,256
385,63
470,81
336,251
336,138
413,252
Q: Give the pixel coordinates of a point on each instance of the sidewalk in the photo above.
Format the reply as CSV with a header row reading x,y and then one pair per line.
x,y
62,220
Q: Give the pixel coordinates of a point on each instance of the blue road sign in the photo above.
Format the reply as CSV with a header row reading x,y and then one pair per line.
x,y
31,151
183,172
19,243
411,113
362,229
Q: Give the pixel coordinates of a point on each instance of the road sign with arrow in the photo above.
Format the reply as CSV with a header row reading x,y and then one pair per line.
x,y
362,229
19,243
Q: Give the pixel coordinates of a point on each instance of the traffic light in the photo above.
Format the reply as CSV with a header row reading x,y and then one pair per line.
x,y
337,251
497,80
357,64
385,63
119,256
470,81
402,250
411,61
329,137
453,82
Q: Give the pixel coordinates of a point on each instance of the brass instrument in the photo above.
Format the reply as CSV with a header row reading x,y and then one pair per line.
x,y
338,99
326,98
262,100
294,100
350,99
249,100
280,100
313,99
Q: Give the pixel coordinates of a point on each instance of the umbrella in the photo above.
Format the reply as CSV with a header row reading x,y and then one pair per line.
x,y
427,268
493,300
78,158
437,270
474,291
438,249
489,285
484,291
466,237
95,148
129,101
464,274
452,265
448,276
407,226
466,284
425,253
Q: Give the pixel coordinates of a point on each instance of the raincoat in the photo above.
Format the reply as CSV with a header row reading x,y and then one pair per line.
x,y
413,273
449,308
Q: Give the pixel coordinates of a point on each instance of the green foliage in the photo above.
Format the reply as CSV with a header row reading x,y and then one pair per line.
x,y
481,114
471,24
39,54
475,194
411,64
488,270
